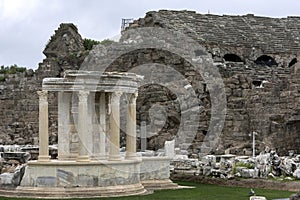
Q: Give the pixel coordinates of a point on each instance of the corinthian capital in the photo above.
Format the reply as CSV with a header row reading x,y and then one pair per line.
x,y
43,95
115,97
132,98
83,95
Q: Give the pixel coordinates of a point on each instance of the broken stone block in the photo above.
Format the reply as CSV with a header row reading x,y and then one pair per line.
x,y
296,173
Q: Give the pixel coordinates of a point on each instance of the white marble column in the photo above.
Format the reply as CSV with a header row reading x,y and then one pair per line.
x,y
91,127
102,116
131,127
64,106
114,121
43,127
82,127
143,132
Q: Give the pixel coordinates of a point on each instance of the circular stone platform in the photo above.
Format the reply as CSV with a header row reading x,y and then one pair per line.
x,y
71,179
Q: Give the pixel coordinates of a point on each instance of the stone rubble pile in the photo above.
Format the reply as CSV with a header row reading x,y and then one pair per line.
x,y
266,165
12,165
13,161
295,196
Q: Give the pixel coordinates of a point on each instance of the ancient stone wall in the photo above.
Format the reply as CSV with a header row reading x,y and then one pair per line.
x,y
18,108
259,98
256,57
18,95
157,98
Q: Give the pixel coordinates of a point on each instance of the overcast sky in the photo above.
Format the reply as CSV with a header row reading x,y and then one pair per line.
x,y
26,25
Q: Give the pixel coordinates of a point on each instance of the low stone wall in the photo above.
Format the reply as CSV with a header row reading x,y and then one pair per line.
x,y
66,179
155,173
155,168
81,174
58,179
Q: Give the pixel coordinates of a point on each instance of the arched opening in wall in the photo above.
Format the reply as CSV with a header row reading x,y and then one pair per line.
x,y
232,58
266,60
257,83
293,62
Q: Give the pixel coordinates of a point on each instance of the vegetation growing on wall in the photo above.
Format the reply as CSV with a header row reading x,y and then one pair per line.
x,y
106,42
2,78
13,69
89,43
241,164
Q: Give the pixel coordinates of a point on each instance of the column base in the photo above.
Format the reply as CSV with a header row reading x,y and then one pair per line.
x,y
44,158
83,159
130,156
98,157
114,158
69,157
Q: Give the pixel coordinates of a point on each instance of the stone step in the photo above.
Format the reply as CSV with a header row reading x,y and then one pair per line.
x,y
159,184
74,192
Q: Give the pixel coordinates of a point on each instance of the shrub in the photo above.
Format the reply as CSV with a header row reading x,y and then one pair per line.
x,y
89,43
11,69
106,42
2,78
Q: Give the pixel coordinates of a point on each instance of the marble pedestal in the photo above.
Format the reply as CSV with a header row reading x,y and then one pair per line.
x,y
70,179
155,173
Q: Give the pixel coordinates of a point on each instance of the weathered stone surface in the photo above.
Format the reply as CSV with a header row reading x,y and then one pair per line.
x,y
229,166
259,94
297,173
70,174
262,95
12,179
170,149
20,157
246,173
295,196
46,181
67,39
6,179
155,168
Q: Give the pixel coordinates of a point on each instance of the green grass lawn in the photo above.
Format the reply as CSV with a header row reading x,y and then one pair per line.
x,y
202,192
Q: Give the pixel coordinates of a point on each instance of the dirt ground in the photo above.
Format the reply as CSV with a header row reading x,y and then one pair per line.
x,y
248,183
